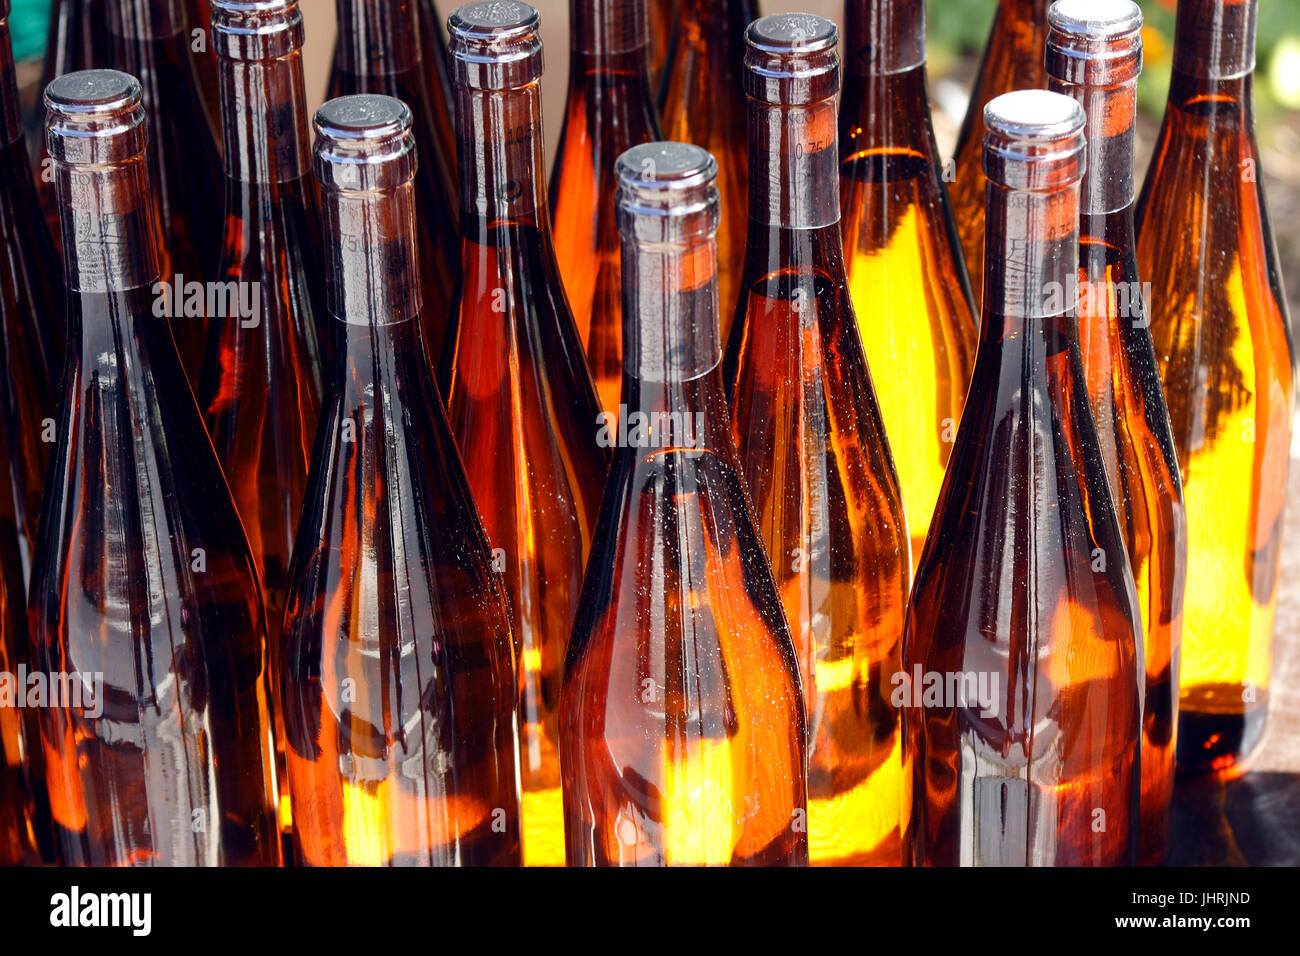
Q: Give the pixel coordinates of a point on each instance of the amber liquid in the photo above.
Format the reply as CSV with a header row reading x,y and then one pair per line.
x,y
142,573
825,498
1013,60
609,110
402,73
702,101
1224,345
523,410
184,172
1123,384
908,283
398,666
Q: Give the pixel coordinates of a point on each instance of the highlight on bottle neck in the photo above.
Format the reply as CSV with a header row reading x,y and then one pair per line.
x,y
11,116
609,27
366,162
495,45
147,19
792,76
378,37
885,36
668,211
256,29
258,44
1034,158
1215,39
1094,54
96,135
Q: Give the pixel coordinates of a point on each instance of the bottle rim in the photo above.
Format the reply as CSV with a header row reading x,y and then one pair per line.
x,y
94,116
1034,139
792,58
495,44
364,142
256,29
1094,41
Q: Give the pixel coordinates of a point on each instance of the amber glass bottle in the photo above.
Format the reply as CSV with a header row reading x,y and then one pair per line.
x,y
151,41
143,589
434,54
398,681
261,387
702,101
381,51
1013,60
609,110
521,401
1226,352
78,39
31,326
681,716
906,274
1094,53
812,446
1022,679
663,13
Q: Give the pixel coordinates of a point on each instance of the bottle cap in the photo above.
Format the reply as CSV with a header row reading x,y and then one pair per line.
x,y
792,58
1034,139
1098,42
364,142
667,192
256,29
495,45
94,116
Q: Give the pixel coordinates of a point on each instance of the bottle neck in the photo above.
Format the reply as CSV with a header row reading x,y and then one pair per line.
x,y
884,37
264,119
106,216
1214,40
1031,257
793,160
373,270
1112,115
671,342
11,116
149,20
880,114
378,37
603,29
500,146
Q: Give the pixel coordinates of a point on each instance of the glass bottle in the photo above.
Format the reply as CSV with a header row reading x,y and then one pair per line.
x,y
398,681
1094,53
681,716
381,51
151,41
261,388
203,53
702,101
1021,685
1225,346
521,402
31,332
812,446
609,110
77,39
143,589
434,54
906,274
663,14
1013,60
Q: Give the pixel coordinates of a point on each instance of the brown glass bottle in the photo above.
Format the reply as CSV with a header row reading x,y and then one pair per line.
x,y
398,681
1022,671
520,398
1226,351
261,387
1013,60
142,573
151,41
77,39
702,101
436,70
31,332
1094,53
681,716
812,446
663,14
906,274
381,51
609,110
